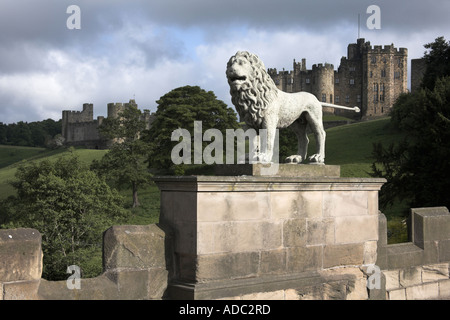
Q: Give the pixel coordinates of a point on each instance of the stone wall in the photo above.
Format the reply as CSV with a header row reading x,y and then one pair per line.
x,y
249,236
134,264
418,269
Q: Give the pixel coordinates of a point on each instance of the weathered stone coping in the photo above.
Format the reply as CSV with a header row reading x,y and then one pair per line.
x,y
264,183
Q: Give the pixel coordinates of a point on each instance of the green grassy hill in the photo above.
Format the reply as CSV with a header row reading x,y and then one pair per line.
x,y
12,156
350,146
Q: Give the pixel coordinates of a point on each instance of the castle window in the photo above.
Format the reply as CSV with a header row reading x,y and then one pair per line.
x,y
358,98
382,97
347,99
331,98
375,87
374,59
383,73
336,99
396,75
352,81
324,97
307,80
352,69
382,87
277,82
375,98
336,80
371,74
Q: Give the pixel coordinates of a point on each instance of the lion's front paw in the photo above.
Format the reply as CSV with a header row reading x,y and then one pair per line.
x,y
317,158
261,158
294,159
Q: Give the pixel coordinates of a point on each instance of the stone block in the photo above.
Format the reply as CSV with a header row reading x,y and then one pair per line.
x,y
98,288
185,236
354,229
444,250
444,289
370,252
343,254
410,276
20,255
21,290
392,279
238,236
354,278
372,202
273,262
320,231
137,247
301,259
233,206
140,284
345,203
430,224
179,204
423,292
295,205
403,255
435,272
399,294
294,233
227,266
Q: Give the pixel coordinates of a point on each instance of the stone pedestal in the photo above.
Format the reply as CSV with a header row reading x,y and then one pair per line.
x,y
281,236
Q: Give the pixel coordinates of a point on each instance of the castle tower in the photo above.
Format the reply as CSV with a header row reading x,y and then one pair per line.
x,y
323,82
70,118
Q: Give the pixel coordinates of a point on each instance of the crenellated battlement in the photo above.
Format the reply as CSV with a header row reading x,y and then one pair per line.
x,y
364,68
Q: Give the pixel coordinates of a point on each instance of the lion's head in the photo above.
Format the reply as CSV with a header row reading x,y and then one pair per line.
x,y
251,87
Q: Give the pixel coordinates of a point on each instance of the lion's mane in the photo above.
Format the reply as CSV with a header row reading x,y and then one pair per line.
x,y
253,97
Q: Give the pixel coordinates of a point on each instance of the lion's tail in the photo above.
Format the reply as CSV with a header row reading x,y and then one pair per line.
x,y
356,109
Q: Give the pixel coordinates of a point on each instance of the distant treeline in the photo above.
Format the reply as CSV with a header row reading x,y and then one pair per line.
x,y
32,134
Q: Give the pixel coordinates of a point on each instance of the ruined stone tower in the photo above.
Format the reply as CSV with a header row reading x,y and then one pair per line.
x,y
80,129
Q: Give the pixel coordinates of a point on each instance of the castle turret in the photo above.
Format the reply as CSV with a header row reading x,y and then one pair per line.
x,y
323,82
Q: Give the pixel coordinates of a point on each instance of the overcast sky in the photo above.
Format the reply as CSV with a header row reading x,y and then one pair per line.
x,y
144,49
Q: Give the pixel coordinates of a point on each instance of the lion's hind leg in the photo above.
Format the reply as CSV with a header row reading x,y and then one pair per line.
x,y
319,132
299,128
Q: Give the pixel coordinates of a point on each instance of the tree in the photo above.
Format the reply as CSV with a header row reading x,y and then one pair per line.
x,y
416,169
437,59
70,206
124,164
179,108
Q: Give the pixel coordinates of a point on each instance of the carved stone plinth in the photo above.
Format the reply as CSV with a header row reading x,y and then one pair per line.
x,y
258,236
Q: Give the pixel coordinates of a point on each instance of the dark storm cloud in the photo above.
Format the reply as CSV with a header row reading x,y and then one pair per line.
x,y
149,47
44,20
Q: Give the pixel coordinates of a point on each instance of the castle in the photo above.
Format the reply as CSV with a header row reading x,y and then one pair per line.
x,y
370,78
79,128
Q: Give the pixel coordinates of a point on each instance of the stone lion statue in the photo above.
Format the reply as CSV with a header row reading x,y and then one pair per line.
x,y
263,106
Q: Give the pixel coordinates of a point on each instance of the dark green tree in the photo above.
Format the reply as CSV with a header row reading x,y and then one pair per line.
x,y
124,164
179,108
70,206
416,169
437,59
